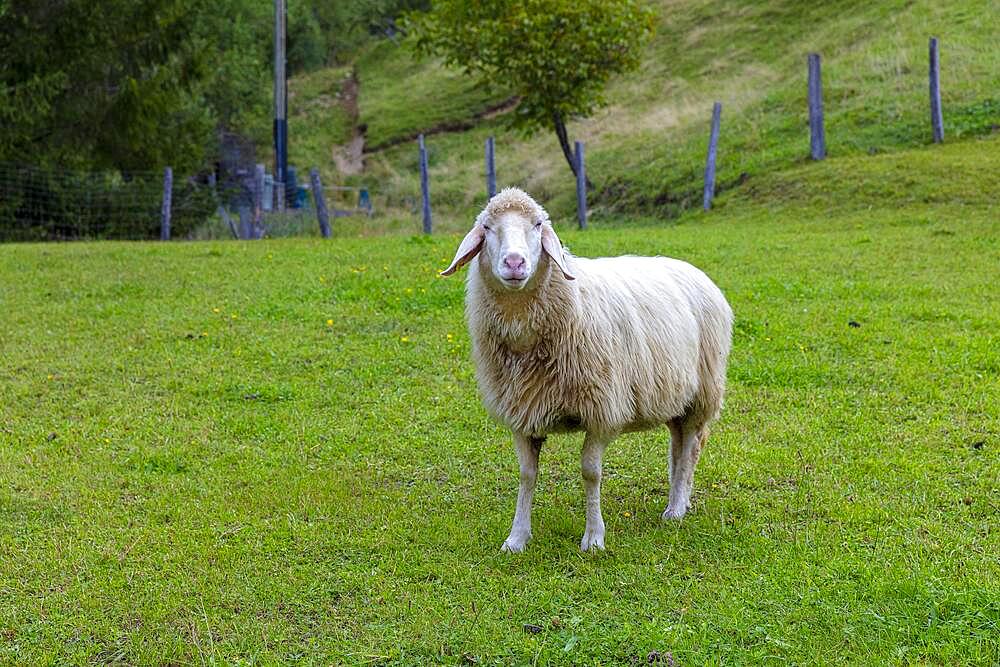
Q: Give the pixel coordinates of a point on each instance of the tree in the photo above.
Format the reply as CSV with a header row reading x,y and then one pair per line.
x,y
556,55
102,84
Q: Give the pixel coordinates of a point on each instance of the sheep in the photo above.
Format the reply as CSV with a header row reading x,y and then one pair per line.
x,y
605,346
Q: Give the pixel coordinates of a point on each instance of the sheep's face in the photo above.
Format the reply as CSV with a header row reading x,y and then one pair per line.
x,y
512,249
511,240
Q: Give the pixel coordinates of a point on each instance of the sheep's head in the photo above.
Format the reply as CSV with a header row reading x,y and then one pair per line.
x,y
513,233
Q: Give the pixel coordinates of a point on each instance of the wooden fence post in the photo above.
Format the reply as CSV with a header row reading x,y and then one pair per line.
x,y
817,135
224,214
424,185
279,196
168,191
491,172
581,186
713,147
937,119
258,202
321,213
246,222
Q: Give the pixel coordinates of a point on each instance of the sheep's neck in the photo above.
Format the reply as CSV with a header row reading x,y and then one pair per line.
x,y
524,318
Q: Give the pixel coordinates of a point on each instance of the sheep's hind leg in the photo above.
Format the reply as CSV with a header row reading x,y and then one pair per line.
x,y
527,458
685,448
590,466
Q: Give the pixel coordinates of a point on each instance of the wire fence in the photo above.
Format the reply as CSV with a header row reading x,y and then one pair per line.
x,y
47,204
38,204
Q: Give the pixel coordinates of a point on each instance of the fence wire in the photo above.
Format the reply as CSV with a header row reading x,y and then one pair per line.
x,y
40,204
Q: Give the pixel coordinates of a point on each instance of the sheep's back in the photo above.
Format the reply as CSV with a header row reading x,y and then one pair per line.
x,y
625,358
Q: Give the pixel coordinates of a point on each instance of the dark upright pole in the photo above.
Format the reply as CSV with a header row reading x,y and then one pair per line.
x,y
937,119
168,188
491,173
425,186
321,212
280,105
817,135
713,147
258,202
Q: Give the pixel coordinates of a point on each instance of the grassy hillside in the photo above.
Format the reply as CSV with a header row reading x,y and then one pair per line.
x,y
319,120
646,150
273,451
402,96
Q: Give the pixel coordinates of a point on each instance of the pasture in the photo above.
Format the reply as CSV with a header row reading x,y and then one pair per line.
x,y
273,451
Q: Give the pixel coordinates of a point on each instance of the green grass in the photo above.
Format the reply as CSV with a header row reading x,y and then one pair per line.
x,y
273,451
318,119
646,150
753,60
402,95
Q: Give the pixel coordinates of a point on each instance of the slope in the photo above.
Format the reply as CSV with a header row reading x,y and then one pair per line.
x,y
646,150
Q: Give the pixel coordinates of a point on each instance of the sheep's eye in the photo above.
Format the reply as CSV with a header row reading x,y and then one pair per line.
x,y
538,225
487,228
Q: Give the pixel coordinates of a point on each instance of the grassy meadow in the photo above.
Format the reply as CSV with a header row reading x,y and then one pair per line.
x,y
273,452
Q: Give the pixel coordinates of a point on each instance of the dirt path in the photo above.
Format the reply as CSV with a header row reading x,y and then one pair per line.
x,y
349,158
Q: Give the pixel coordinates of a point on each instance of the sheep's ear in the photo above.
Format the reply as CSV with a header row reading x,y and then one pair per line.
x,y
469,248
553,248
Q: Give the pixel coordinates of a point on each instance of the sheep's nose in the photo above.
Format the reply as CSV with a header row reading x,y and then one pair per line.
x,y
514,261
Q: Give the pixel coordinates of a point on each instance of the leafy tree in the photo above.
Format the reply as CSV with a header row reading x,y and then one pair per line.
x,y
114,83
557,55
307,45
348,24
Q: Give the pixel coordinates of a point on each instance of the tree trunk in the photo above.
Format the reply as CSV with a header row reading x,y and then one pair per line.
x,y
560,126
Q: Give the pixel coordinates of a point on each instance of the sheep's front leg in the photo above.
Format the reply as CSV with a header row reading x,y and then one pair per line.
x,y
590,466
685,447
527,458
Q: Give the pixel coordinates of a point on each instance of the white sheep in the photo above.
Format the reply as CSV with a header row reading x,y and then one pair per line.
x,y
606,346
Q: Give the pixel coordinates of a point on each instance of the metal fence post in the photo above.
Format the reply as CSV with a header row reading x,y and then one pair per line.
x,y
168,188
424,185
581,186
713,146
817,135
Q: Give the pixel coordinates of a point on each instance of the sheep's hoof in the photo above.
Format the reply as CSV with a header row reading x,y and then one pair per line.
x,y
674,513
515,544
592,541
